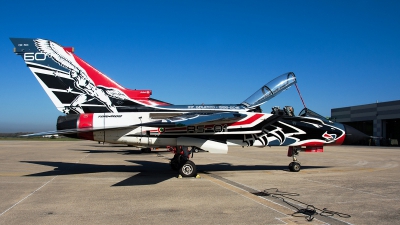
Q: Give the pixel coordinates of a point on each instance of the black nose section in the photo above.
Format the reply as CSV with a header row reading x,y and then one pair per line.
x,y
354,136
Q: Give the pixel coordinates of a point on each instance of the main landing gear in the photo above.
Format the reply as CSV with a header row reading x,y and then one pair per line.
x,y
295,165
181,161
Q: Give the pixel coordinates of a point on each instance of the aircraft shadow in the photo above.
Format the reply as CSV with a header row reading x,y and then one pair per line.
x,y
147,172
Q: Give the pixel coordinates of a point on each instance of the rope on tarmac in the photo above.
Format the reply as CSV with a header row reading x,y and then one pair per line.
x,y
308,212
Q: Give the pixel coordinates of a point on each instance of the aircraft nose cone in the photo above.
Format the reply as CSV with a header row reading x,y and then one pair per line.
x,y
354,136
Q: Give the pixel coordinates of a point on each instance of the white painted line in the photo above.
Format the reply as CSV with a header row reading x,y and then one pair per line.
x,y
37,189
28,196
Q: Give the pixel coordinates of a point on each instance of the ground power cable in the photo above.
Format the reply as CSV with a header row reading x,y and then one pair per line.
x,y
308,212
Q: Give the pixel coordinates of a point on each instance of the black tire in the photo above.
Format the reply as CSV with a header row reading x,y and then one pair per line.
x,y
188,169
294,167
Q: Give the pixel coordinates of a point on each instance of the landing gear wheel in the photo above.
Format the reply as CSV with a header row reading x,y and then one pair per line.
x,y
294,167
188,169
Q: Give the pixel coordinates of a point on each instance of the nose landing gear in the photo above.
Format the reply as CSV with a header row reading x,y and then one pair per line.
x,y
295,165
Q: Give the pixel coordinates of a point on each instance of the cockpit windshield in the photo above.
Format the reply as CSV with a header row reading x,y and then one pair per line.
x,y
270,90
309,113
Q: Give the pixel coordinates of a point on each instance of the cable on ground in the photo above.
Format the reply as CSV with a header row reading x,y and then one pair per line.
x,y
308,212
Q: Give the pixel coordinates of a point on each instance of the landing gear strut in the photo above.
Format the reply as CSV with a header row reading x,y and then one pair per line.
x,y
181,162
295,165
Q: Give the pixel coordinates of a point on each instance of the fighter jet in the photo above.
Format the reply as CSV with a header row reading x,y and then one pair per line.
x,y
99,109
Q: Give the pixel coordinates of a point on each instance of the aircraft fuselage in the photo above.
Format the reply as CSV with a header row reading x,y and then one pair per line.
x,y
255,129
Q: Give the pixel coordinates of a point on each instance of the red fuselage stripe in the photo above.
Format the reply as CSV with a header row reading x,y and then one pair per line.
x,y
248,121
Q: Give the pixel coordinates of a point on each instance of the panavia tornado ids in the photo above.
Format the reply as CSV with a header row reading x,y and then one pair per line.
x,y
97,108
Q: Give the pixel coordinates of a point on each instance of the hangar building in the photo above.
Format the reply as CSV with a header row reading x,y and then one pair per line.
x,y
381,120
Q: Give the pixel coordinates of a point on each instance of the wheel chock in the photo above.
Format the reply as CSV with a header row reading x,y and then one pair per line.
x,y
198,176
180,176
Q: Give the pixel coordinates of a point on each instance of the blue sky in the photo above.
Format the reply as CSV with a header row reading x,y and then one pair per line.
x,y
343,52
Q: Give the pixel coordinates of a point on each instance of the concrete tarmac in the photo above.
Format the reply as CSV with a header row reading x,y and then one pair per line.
x,y
83,182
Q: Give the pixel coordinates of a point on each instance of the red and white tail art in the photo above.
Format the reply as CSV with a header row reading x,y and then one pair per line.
x,y
73,85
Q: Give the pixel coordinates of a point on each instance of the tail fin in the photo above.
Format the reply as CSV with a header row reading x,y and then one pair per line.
x,y
73,85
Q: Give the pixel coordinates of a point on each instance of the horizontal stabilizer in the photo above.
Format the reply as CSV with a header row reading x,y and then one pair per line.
x,y
76,131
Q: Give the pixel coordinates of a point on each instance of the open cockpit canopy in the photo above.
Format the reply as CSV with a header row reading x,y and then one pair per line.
x,y
270,90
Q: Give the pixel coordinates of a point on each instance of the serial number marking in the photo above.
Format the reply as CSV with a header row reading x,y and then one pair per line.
x,y
212,107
